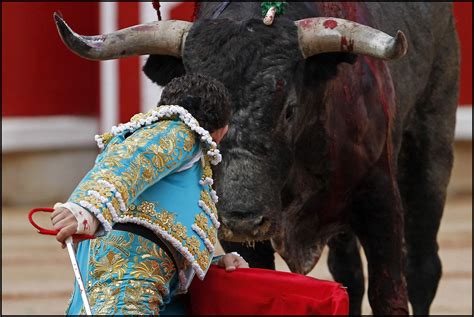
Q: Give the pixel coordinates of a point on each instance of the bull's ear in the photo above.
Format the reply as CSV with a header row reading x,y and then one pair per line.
x,y
161,69
324,66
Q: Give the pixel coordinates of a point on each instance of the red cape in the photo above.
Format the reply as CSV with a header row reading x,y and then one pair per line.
x,y
263,292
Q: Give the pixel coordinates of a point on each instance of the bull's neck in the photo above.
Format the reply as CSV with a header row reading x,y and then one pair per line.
x,y
232,10
238,11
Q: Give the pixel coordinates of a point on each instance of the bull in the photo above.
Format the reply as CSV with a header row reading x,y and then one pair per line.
x,y
331,141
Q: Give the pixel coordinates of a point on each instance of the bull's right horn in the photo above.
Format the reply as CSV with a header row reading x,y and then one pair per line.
x,y
161,37
324,35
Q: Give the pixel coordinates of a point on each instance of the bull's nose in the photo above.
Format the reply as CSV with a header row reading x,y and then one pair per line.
x,y
244,225
246,217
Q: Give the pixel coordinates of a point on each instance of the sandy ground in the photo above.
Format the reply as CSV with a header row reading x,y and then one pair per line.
x,y
37,277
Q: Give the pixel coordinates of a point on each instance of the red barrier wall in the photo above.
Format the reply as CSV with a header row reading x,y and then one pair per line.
x,y
40,76
463,13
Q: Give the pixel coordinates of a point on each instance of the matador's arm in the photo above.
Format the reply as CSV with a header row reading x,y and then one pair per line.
x,y
130,165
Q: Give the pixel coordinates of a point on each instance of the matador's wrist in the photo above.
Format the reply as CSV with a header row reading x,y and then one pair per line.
x,y
86,222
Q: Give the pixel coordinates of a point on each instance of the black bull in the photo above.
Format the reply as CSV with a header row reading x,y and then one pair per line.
x,y
334,148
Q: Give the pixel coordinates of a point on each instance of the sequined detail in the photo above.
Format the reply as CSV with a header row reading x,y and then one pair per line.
x,y
131,164
128,275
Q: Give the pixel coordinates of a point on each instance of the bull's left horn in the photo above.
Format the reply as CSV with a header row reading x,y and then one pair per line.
x,y
161,37
324,35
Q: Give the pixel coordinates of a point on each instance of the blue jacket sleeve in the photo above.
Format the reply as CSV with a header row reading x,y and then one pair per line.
x,y
130,165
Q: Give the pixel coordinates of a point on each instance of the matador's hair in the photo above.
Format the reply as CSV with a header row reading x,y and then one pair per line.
x,y
205,98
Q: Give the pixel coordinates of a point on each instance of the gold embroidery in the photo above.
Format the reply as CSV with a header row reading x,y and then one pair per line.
x,y
168,144
147,269
134,300
212,234
207,170
152,250
167,266
142,163
203,259
82,195
115,180
188,141
202,222
105,296
118,242
159,159
192,243
208,201
147,207
109,265
106,137
107,214
165,219
178,231
140,289
94,201
116,205
147,172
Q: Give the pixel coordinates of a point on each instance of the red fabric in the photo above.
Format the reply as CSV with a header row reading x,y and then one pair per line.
x,y
258,291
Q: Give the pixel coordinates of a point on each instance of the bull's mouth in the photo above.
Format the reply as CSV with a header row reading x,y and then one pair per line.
x,y
233,230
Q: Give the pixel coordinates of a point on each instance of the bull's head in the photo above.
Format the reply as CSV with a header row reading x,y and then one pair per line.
x,y
258,65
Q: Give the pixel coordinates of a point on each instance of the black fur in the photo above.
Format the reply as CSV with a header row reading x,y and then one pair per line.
x,y
293,128
161,69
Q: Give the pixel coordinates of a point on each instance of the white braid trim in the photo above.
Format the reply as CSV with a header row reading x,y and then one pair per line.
x,y
165,235
208,211
97,214
206,181
96,194
112,209
104,201
115,192
99,141
214,196
203,236
166,112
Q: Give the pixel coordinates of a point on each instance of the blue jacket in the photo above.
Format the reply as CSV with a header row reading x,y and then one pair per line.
x,y
154,177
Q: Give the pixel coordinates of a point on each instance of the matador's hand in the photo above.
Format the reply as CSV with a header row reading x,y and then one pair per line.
x,y
232,261
64,221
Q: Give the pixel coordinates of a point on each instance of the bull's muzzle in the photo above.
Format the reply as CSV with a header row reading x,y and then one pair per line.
x,y
245,226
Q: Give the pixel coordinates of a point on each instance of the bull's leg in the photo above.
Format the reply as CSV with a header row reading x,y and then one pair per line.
x,y
424,199
378,222
345,266
260,255
425,164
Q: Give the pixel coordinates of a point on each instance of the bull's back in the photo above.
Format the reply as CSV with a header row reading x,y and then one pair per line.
x,y
430,31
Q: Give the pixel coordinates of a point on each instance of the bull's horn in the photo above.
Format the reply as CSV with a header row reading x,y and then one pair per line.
x,y
161,37
324,35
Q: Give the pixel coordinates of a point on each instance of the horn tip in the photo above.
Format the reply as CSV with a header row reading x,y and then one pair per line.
x,y
401,43
72,41
58,16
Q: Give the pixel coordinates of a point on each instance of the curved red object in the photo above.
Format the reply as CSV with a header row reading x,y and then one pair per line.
x,y
42,230
265,292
